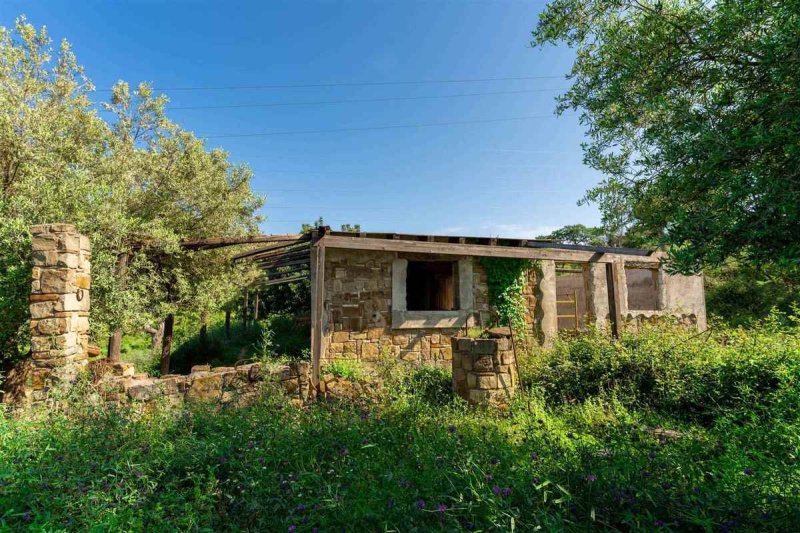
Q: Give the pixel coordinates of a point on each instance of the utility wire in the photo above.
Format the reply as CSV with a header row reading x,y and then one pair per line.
x,y
344,84
357,100
372,128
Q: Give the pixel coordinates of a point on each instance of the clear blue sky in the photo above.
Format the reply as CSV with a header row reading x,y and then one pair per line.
x,y
515,178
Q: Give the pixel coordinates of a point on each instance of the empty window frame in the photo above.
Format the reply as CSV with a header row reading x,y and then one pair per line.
x,y
642,286
432,286
571,296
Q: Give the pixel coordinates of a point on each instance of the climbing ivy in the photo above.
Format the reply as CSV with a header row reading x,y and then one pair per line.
x,y
506,278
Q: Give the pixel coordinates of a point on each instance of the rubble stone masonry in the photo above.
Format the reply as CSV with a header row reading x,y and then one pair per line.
x,y
59,307
358,311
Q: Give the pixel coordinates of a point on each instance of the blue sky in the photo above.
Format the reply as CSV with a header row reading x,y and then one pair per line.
x,y
515,178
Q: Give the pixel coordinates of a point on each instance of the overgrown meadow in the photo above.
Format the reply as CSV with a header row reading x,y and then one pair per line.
x,y
663,431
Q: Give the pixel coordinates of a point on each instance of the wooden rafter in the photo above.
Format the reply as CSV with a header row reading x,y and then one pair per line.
x,y
221,242
255,254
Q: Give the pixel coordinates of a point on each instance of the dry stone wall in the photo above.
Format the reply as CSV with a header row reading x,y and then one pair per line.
x,y
118,384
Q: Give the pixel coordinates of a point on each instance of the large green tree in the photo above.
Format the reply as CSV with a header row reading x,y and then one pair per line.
x,y
131,179
692,111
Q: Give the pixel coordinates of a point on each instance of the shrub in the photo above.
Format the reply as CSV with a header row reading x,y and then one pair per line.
x,y
349,369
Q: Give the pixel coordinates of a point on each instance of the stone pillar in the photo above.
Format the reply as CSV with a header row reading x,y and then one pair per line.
x,y
484,370
598,296
59,306
546,306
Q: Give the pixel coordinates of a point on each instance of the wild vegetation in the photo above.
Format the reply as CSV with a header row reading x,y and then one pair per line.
x,y
666,430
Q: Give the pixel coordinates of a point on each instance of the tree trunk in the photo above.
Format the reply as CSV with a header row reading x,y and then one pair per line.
x,y
114,346
115,339
166,344
203,325
158,336
227,323
245,307
255,308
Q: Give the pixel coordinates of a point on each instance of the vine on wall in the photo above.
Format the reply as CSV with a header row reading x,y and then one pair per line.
x,y
507,278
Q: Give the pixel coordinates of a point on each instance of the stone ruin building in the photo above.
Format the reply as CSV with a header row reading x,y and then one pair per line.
x,y
373,295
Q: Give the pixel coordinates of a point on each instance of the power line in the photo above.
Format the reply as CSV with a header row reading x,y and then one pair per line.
x,y
371,128
357,100
345,84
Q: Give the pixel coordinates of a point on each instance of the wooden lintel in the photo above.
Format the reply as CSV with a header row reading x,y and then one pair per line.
x,y
279,264
481,250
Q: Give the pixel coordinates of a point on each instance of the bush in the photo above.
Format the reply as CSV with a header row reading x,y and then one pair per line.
x,y
670,370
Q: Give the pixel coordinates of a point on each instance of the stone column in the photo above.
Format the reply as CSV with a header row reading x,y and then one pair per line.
x,y
598,295
484,370
59,306
546,306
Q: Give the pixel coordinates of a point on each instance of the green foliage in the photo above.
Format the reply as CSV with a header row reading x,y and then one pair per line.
x,y
430,384
579,234
283,335
738,293
693,377
416,462
345,368
136,184
506,278
691,112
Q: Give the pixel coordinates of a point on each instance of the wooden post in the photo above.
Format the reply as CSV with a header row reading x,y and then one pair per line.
x,y
317,309
166,345
115,339
255,308
245,307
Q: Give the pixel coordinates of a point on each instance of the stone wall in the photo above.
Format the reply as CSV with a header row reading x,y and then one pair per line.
x,y
118,384
485,370
59,308
358,311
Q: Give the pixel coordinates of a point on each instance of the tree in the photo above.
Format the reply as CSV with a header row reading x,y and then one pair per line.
x,y
137,184
578,234
691,110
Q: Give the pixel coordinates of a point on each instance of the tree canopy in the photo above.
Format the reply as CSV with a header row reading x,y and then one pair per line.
x,y
122,172
692,111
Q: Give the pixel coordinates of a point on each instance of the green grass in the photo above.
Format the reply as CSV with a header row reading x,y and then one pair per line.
x,y
276,336
575,451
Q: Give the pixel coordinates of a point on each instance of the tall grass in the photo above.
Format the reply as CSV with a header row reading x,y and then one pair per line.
x,y
576,451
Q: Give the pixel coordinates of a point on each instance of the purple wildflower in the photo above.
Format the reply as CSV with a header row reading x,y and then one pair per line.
x,y
666,485
748,472
26,516
441,508
364,441
222,460
659,523
344,451
489,477
292,528
494,460
651,455
591,478
451,429
251,445
496,490
420,504
301,508
506,491
534,457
